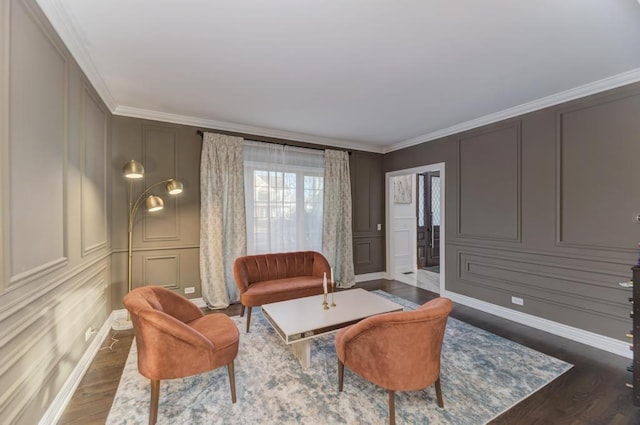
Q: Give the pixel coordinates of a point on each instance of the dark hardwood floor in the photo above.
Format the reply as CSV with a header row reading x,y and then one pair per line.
x,y
592,392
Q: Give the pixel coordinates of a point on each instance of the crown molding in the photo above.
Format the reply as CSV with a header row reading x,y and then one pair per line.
x,y
62,23
128,111
608,83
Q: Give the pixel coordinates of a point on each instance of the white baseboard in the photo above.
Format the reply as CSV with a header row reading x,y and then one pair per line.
x,y
601,342
56,408
370,276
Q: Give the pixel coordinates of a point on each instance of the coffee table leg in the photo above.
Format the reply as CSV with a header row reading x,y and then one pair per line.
x,y
302,350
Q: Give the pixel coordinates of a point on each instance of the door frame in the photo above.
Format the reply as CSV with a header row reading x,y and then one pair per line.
x,y
440,166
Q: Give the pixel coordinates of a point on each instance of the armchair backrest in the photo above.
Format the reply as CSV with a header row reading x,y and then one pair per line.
x,y
400,350
259,268
167,346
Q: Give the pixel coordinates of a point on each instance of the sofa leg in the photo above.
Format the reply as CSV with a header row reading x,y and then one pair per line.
x,y
439,393
242,310
232,381
392,408
155,396
248,318
340,375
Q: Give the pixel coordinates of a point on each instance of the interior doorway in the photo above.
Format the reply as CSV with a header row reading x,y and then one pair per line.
x,y
414,208
428,221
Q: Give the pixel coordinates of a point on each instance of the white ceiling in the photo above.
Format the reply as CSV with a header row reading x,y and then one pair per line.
x,y
369,74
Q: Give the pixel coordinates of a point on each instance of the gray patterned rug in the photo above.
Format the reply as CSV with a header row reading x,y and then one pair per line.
x,y
482,376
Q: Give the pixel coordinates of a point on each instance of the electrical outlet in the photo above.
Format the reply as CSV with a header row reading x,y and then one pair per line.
x,y
517,300
88,334
379,226
189,290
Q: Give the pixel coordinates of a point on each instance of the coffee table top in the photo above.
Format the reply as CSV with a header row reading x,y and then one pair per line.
x,y
304,318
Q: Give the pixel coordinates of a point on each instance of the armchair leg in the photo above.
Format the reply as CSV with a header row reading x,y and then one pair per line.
x,y
232,381
248,318
340,375
392,407
241,310
439,393
155,396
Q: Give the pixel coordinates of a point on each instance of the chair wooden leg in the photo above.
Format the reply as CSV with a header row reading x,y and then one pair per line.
x,y
155,396
439,393
232,381
242,310
340,375
392,407
248,318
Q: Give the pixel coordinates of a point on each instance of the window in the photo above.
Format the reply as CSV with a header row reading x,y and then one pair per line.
x,y
284,189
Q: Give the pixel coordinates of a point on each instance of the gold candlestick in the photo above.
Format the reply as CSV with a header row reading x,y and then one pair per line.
x,y
325,304
333,290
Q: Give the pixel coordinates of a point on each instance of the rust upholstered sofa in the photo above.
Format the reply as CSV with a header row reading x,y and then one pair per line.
x,y
268,278
397,351
176,340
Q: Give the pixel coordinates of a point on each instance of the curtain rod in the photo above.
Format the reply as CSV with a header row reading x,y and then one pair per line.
x,y
201,134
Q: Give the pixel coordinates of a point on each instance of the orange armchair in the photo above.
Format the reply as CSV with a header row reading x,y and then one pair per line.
x,y
176,340
397,351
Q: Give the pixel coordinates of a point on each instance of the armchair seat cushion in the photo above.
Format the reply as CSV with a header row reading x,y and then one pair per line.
x,y
223,334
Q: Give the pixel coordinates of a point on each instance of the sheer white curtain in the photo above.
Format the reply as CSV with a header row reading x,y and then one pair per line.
x,y
337,242
222,217
283,197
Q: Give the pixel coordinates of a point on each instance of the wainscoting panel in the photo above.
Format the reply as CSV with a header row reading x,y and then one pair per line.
x,y
38,85
367,254
160,152
174,267
94,174
597,184
163,270
42,341
549,284
489,184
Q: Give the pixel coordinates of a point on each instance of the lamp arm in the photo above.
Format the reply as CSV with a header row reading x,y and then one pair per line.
x,y
134,207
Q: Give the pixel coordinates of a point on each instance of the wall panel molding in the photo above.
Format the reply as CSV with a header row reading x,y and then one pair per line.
x,y
485,177
97,136
19,394
563,255
15,301
165,227
5,34
163,264
477,273
26,150
608,125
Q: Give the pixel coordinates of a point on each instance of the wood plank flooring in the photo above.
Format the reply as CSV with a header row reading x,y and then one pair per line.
x,y
592,392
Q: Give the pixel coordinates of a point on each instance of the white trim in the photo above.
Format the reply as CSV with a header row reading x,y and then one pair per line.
x,y
601,342
604,84
63,24
440,166
370,276
57,406
148,114
199,302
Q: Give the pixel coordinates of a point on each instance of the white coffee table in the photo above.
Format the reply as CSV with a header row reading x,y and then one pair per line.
x,y
298,321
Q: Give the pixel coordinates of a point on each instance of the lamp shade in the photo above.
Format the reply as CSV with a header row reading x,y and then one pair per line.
x,y
174,187
153,203
133,170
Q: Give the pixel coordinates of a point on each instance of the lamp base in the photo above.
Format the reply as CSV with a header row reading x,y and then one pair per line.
x,y
122,325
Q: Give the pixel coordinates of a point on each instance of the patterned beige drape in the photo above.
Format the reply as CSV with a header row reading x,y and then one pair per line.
x,y
336,235
222,217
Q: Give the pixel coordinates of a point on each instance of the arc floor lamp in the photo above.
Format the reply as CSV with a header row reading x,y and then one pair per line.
x,y
132,171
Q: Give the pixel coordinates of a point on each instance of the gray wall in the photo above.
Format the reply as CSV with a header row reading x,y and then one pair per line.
x,y
165,243
54,213
541,207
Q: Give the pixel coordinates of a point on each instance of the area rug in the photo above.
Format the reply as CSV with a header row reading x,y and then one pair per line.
x,y
482,376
